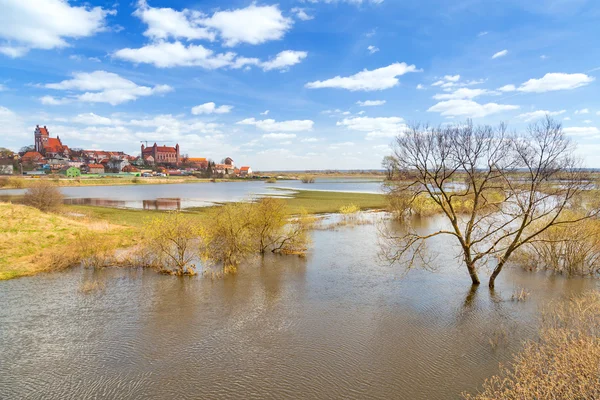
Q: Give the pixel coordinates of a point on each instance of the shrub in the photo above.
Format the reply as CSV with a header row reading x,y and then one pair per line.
x,y
17,183
562,364
271,180
307,179
4,181
171,240
44,195
349,209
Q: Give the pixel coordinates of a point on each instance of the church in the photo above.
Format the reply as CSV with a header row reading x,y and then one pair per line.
x,y
47,146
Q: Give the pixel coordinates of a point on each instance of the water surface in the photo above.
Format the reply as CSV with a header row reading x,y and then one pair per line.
x,y
333,325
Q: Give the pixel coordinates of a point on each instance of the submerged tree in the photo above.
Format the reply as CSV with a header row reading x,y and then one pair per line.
x,y
498,191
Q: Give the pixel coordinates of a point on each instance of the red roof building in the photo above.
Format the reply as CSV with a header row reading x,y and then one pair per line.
x,y
32,157
162,154
49,147
95,168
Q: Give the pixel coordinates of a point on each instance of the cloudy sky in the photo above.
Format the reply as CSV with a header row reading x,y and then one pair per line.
x,y
297,84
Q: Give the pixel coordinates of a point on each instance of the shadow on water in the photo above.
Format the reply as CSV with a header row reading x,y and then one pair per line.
x,y
335,324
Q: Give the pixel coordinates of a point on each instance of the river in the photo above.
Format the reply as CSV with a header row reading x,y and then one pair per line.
x,y
334,325
186,195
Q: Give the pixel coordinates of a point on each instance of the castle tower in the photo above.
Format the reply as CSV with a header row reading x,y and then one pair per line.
x,y
41,136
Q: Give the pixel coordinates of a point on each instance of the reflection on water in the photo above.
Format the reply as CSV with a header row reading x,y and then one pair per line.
x,y
332,325
194,194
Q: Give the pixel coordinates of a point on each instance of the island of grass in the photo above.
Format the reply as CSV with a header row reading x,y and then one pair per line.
x,y
32,241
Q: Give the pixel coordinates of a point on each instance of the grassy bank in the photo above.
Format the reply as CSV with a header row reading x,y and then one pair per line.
x,y
23,182
32,241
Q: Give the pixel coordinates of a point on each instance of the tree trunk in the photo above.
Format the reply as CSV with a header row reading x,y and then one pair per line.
x,y
473,274
495,274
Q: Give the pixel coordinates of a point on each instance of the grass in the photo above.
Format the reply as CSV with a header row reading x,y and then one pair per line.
x,y
317,202
19,182
32,241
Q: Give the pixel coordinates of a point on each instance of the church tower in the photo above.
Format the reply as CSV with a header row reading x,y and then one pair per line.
x,y
41,136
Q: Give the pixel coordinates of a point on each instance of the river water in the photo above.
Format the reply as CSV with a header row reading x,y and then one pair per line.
x,y
334,325
186,195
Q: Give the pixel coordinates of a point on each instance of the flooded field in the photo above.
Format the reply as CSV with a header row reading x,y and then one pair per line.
x,y
336,324
178,196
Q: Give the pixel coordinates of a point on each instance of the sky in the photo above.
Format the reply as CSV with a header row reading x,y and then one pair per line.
x,y
294,84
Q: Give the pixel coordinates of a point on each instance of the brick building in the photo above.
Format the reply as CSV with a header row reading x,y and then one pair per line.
x,y
162,154
48,146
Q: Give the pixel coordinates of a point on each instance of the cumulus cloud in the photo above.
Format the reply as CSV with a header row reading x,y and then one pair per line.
x,y
469,108
266,112
164,23
539,114
253,24
378,79
279,136
46,24
270,125
101,87
499,54
507,88
371,103
94,119
463,93
583,111
372,49
556,81
283,60
582,130
301,14
383,127
176,54
420,87
211,108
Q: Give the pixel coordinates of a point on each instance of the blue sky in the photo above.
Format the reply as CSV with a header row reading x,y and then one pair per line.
x,y
298,84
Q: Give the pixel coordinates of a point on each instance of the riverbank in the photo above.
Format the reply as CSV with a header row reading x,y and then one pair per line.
x,y
32,241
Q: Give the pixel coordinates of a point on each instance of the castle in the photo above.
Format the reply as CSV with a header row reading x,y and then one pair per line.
x,y
47,146
161,154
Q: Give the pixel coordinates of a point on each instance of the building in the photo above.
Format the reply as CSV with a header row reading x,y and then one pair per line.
x,y
48,146
245,171
224,169
199,162
32,157
6,166
162,154
95,168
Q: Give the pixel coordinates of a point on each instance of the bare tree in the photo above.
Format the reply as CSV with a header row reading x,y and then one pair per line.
x,y
389,164
497,190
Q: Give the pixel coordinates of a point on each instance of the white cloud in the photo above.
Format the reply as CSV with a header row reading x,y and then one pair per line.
x,y
2,87
357,2
253,24
469,108
270,125
167,55
53,101
279,136
93,119
371,103
499,54
556,81
482,33
301,14
452,78
507,88
582,130
539,114
587,121
383,127
583,111
175,54
46,24
566,118
266,112
310,140
102,87
164,23
420,87
211,108
378,79
462,93
373,49
283,60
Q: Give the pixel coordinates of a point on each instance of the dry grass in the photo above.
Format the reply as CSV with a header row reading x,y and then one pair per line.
x,y
563,364
520,294
307,179
33,241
